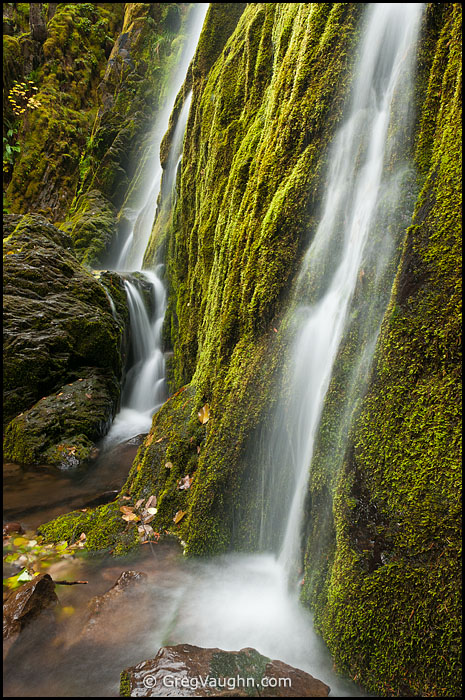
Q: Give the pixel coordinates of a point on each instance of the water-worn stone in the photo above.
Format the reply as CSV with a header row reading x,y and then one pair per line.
x,y
62,346
102,608
186,670
24,605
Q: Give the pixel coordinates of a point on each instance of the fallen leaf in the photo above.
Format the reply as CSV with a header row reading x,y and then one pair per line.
x,y
89,396
60,394
169,465
198,449
204,414
185,482
19,541
179,516
151,501
139,503
127,509
129,517
151,511
82,536
159,440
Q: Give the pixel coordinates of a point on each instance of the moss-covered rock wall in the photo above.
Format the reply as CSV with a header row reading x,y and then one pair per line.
x,y
386,586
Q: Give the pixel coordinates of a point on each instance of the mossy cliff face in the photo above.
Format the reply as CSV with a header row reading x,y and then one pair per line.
x,y
66,70
62,346
268,94
132,91
388,599
263,111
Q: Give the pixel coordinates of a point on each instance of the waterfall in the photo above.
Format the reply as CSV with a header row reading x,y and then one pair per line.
x,y
142,218
358,182
144,388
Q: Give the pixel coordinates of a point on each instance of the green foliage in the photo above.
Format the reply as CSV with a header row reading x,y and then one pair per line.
x,y
35,556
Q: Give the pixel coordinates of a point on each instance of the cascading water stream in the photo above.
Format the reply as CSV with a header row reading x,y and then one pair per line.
x,y
135,243
144,387
354,187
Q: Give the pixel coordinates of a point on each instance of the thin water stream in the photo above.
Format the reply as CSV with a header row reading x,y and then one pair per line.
x,y
237,601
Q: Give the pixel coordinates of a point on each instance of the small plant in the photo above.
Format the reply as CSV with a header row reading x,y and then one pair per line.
x,y
22,97
9,150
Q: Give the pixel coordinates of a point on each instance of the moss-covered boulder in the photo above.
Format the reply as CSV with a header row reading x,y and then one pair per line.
x,y
62,345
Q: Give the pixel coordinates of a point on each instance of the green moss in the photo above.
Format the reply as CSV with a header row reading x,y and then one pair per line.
x,y
249,190
51,137
393,558
105,529
125,685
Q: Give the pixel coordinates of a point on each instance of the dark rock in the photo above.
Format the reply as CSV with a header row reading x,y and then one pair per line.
x,y
105,611
24,605
105,497
190,671
62,347
10,528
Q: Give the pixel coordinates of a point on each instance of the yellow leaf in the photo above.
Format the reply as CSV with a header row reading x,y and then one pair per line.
x,y
169,465
19,541
179,516
204,414
129,517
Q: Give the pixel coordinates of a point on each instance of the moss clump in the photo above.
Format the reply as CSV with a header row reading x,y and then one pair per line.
x,y
104,527
394,563
66,70
92,226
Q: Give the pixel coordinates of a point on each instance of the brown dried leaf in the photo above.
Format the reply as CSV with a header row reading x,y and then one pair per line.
x,y
151,501
127,509
179,516
139,503
204,414
129,517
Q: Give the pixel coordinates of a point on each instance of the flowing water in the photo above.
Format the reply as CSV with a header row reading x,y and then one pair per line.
x,y
236,601
144,387
360,187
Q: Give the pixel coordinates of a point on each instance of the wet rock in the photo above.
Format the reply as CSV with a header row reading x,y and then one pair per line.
x,y
186,670
12,527
62,347
105,497
106,611
24,605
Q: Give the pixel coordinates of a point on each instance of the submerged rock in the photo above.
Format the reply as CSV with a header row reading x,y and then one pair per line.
x,y
186,670
24,605
106,611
